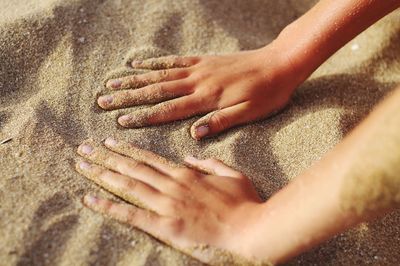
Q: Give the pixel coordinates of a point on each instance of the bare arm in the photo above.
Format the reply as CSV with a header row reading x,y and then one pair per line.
x,y
328,26
235,89
358,180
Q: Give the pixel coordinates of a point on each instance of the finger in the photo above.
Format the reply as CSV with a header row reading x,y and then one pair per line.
x,y
165,112
145,220
154,160
125,166
148,95
139,81
221,120
127,188
166,62
213,166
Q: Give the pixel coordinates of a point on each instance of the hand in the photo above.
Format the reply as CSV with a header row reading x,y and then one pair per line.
x,y
208,216
232,89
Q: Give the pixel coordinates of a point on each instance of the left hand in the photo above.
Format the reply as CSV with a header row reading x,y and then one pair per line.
x,y
230,90
197,213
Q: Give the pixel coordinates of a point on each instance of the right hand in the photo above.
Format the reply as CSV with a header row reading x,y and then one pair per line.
x,y
203,215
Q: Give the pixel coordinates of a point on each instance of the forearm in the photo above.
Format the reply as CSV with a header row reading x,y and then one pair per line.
x,y
329,25
358,180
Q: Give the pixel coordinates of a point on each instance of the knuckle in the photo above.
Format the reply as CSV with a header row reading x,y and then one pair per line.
x,y
110,159
168,202
220,121
177,225
198,75
181,73
169,107
157,87
163,74
171,205
215,93
98,171
127,166
131,216
103,174
134,166
186,176
129,184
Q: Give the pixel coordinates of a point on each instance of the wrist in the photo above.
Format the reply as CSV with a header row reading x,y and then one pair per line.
x,y
261,238
278,70
299,50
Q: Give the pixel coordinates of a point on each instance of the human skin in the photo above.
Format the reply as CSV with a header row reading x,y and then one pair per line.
x,y
221,210
238,88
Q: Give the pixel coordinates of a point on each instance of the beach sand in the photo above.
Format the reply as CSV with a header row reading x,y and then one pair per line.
x,y
54,58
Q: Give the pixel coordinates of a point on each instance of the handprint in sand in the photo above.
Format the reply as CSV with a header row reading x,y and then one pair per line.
x,y
229,90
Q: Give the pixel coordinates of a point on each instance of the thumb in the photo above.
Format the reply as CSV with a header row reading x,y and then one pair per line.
x,y
219,121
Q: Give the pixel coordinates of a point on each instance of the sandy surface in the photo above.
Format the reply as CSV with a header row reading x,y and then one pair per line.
x,y
54,57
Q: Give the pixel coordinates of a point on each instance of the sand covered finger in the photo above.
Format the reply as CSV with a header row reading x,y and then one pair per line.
x,y
151,94
150,158
125,166
177,109
99,154
142,80
165,62
144,220
127,188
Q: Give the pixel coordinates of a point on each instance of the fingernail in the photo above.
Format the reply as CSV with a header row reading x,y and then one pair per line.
x,y
114,83
84,165
136,62
111,142
86,149
202,131
124,119
89,199
108,99
190,159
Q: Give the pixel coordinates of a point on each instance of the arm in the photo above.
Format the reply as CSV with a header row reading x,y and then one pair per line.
x,y
328,26
238,88
357,181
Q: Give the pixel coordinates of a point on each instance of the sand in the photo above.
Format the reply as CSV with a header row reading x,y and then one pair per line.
x,y
55,57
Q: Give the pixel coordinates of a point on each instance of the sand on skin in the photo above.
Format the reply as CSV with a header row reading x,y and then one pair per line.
x,y
54,58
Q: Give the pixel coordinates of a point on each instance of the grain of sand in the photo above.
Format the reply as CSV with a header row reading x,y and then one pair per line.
x,y
54,57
